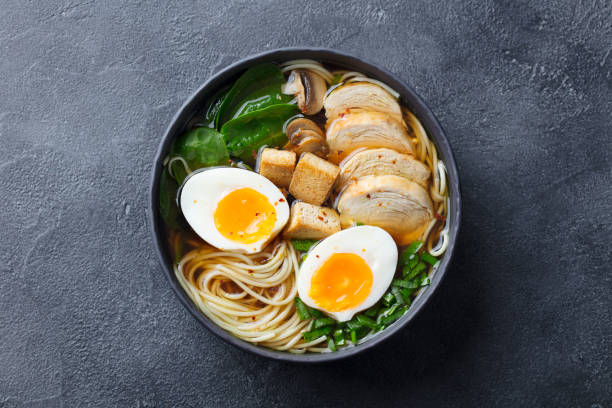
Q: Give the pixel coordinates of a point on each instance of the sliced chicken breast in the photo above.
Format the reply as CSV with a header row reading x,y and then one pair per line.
x,y
361,95
366,129
399,206
381,162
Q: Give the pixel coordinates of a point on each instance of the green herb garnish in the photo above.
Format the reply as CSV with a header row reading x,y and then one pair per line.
x,y
302,309
394,304
430,259
331,344
323,321
316,333
303,245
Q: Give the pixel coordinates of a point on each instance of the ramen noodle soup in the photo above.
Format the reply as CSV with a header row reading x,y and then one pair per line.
x,y
305,207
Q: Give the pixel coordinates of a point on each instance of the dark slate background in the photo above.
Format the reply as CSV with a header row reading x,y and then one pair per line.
x,y
523,91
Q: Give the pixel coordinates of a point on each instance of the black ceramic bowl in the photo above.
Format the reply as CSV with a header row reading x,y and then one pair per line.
x,y
195,104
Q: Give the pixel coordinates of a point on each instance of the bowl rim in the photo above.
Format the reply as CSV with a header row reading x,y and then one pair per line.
x,y
409,97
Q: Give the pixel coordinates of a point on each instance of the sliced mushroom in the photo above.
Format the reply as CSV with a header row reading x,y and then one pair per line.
x,y
366,129
399,206
305,136
307,141
310,89
303,124
380,162
294,84
361,96
312,145
299,135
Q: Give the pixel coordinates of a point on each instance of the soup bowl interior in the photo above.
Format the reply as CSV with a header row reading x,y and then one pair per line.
x,y
184,118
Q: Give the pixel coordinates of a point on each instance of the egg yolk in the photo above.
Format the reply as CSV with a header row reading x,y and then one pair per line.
x,y
245,216
343,281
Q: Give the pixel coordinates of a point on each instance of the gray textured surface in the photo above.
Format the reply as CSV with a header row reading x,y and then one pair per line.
x,y
524,92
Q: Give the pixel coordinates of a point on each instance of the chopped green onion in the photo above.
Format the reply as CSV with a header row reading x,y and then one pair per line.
x,y
386,312
414,247
414,261
408,259
354,336
310,325
303,245
390,310
315,312
363,332
416,270
347,333
426,282
373,311
330,344
302,309
406,294
357,224
388,299
323,321
387,320
408,253
398,295
405,284
420,279
410,265
339,337
430,259
354,324
366,321
316,333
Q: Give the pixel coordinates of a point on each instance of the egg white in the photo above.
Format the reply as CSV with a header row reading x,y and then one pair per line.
x,y
202,191
380,254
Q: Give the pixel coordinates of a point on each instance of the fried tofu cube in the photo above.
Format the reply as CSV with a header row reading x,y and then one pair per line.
x,y
313,179
277,166
308,221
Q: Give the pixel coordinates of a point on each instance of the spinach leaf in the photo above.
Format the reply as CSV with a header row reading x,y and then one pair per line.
x,y
257,88
200,147
208,120
247,133
167,199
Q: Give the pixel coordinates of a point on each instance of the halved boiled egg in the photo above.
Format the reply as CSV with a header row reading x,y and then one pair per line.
x,y
348,272
233,209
